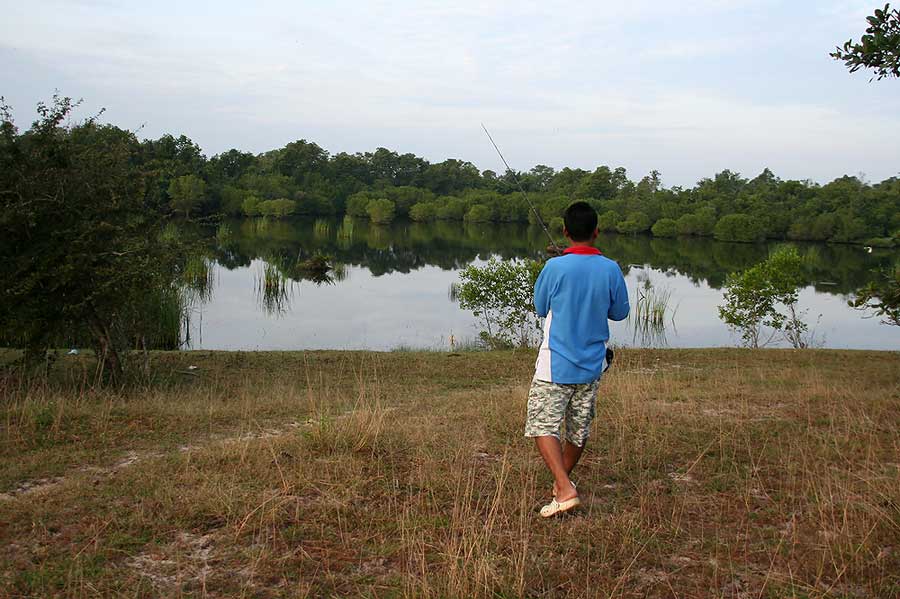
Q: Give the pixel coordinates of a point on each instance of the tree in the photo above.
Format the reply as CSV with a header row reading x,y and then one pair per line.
x,y
739,227
83,255
423,211
637,222
501,295
186,193
381,211
765,295
664,227
882,295
878,49
479,213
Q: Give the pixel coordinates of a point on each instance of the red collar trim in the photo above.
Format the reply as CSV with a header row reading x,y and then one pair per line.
x,y
582,250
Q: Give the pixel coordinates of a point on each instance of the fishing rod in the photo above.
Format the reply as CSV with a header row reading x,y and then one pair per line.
x,y
537,214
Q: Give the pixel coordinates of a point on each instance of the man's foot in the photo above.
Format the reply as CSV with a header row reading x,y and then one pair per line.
x,y
556,491
555,508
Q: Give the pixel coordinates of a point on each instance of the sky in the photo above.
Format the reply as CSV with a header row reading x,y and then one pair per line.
x,y
688,88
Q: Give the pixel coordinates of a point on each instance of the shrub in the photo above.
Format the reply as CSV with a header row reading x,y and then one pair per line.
x,y
381,211
501,295
665,227
765,295
739,227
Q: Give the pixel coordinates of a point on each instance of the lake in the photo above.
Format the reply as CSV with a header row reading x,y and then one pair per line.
x,y
392,286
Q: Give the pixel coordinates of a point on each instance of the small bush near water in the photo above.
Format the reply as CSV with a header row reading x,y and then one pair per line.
x,y
501,296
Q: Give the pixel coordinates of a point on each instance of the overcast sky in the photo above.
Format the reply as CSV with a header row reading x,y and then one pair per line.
x,y
688,88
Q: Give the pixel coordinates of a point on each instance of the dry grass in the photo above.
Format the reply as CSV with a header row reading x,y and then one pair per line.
x,y
711,473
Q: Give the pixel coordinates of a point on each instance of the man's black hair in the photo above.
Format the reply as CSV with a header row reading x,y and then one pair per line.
x,y
581,220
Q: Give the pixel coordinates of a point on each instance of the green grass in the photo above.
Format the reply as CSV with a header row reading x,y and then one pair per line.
x,y
710,473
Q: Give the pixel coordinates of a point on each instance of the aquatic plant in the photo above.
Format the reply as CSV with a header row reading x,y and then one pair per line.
x,y
321,229
223,233
650,312
273,289
198,278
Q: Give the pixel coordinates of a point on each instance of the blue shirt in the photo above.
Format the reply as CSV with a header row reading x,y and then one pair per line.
x,y
576,293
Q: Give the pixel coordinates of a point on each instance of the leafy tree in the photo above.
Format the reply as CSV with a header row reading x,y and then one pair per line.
x,y
501,295
232,199
186,193
765,295
423,211
636,222
82,252
357,203
381,211
878,49
882,295
665,227
479,213
608,220
250,206
739,227
278,208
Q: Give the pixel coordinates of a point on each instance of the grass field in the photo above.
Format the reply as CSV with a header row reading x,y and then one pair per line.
x,y
710,473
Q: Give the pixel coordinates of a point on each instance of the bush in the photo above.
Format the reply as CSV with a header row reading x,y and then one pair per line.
x,y
278,208
357,204
665,227
637,222
607,221
381,211
501,295
423,212
82,253
479,213
250,206
766,296
740,227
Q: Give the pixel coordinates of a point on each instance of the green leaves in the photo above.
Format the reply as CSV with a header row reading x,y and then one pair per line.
x,y
501,295
766,296
879,49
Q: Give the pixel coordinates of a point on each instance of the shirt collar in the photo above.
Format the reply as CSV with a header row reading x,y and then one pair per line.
x,y
583,250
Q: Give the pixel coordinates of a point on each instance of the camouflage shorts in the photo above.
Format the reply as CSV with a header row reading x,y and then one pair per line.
x,y
549,404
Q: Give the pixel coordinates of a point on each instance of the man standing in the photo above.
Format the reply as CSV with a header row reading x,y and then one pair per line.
x,y
576,293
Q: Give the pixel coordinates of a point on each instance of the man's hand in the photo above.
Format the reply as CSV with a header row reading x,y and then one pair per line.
x,y
554,250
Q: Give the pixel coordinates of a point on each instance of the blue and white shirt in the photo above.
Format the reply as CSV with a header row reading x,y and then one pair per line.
x,y
576,293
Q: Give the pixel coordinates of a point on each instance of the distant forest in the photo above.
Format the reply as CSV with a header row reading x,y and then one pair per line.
x,y
304,179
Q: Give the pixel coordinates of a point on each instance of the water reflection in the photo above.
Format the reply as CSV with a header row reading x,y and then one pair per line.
x,y
418,263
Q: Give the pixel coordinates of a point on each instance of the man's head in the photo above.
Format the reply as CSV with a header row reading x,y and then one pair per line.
x,y
581,222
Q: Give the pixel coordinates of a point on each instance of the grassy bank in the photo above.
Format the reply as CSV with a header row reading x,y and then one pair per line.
x,y
710,473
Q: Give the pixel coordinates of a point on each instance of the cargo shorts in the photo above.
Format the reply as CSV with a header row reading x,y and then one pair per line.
x,y
551,404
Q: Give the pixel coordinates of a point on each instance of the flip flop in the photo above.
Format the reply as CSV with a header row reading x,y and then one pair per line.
x,y
555,507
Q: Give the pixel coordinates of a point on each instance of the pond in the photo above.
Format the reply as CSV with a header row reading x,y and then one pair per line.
x,y
391,288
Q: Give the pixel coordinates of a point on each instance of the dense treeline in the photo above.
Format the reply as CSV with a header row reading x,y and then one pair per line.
x,y
304,179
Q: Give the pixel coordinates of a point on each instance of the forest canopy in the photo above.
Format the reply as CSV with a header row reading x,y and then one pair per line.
x,y
302,178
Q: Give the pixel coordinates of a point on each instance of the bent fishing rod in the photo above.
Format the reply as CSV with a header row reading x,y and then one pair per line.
x,y
537,214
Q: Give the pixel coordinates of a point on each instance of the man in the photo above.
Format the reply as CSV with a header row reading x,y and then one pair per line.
x,y
576,293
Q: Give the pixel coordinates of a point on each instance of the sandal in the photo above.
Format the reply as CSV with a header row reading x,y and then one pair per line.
x,y
555,507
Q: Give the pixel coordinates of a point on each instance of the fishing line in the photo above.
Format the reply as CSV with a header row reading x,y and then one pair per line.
x,y
522,190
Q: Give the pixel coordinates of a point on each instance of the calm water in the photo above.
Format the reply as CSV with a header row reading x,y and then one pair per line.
x,y
392,289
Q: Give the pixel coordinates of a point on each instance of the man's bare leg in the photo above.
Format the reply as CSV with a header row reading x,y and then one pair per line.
x,y
552,452
571,453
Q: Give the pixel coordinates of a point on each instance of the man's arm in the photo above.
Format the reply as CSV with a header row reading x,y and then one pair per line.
x,y
618,296
542,293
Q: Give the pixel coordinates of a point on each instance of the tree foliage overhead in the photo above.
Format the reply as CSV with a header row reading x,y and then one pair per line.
x,y
878,49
